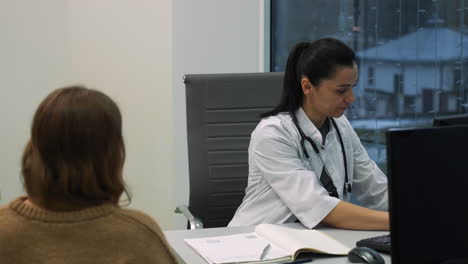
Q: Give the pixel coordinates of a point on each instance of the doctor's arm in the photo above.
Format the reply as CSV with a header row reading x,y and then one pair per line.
x,y
370,188
299,189
370,184
349,216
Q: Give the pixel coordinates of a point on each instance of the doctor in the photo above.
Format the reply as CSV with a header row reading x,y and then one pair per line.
x,y
305,159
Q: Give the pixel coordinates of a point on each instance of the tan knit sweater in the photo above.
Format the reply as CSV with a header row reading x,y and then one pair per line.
x,y
103,234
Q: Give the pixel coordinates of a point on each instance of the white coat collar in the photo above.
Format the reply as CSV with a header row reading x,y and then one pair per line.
x,y
308,127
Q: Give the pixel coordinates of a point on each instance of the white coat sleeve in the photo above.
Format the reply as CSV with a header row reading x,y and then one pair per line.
x,y
370,184
276,155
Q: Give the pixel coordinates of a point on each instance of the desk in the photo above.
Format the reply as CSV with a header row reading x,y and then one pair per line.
x,y
188,255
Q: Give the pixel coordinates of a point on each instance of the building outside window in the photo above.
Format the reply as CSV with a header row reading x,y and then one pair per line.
x,y
415,53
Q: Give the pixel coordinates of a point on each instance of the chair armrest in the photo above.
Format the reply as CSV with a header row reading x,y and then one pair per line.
x,y
194,222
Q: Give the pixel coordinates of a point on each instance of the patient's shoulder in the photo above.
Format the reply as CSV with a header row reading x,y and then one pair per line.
x,y
143,223
140,219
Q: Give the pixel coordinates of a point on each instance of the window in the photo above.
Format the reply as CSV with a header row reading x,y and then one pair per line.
x,y
418,48
370,76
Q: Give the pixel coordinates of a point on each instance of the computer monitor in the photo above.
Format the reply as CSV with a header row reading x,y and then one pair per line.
x,y
428,191
450,120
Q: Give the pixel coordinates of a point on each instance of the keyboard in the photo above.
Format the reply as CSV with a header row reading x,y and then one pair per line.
x,y
379,243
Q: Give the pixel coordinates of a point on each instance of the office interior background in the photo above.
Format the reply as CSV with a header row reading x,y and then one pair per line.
x,y
413,59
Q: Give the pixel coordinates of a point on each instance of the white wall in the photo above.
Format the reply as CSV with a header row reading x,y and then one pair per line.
x,y
209,36
124,48
121,47
34,56
135,51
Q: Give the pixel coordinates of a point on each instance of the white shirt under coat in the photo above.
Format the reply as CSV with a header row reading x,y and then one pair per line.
x,y
284,185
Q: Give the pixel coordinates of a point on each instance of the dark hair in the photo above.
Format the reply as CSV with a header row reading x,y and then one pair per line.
x,y
316,60
76,153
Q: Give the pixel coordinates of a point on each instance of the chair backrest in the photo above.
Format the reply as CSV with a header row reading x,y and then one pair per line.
x,y
222,112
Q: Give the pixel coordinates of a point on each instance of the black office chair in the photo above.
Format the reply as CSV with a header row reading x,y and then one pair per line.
x,y
222,112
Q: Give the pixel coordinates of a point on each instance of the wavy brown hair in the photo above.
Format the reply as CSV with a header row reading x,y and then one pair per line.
x,y
76,153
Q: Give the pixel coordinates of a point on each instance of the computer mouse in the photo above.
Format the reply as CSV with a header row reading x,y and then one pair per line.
x,y
365,255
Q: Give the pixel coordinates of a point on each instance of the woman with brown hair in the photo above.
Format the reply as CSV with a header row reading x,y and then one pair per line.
x,y
72,169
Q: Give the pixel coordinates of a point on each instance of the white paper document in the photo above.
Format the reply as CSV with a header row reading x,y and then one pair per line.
x,y
240,248
295,241
268,244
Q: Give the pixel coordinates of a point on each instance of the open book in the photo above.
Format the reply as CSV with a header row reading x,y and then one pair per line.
x,y
268,244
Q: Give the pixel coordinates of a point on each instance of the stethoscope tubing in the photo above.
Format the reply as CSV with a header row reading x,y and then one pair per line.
x,y
347,187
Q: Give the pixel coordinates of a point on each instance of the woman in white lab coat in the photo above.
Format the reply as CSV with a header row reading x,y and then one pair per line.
x,y
305,159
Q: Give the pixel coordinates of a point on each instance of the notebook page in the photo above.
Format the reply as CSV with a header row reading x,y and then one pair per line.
x,y
292,240
246,247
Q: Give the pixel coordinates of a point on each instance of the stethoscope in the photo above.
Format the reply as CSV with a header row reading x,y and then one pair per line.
x,y
331,190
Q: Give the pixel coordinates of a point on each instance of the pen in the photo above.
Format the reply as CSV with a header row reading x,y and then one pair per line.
x,y
265,251
300,261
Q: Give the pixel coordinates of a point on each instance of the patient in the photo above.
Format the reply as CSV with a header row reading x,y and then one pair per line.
x,y
72,169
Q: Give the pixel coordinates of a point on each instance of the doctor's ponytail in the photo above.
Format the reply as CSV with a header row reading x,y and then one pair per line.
x,y
291,98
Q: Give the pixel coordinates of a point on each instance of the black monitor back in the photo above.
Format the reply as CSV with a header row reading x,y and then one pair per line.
x,y
451,120
428,181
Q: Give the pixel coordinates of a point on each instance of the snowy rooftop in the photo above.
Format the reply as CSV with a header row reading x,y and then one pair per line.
x,y
426,44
